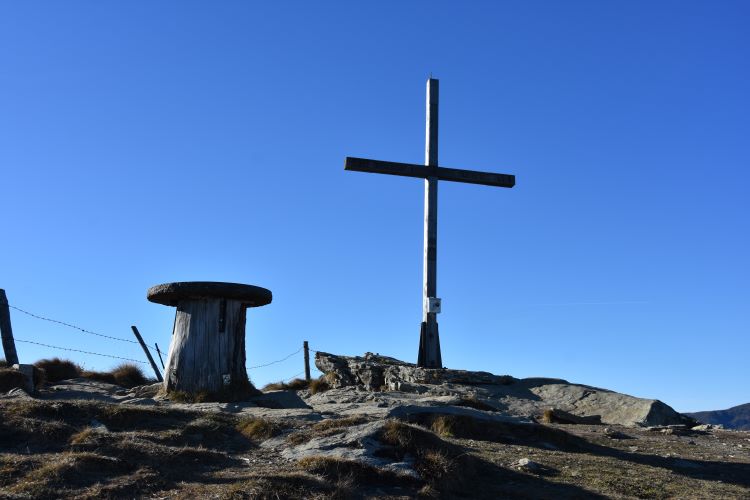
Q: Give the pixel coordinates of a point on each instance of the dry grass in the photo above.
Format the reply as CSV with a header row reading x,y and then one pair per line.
x,y
327,427
53,449
319,384
295,385
338,423
66,470
443,426
83,436
280,485
436,461
189,397
258,429
129,375
238,390
106,377
10,379
56,369
466,427
351,472
125,375
471,401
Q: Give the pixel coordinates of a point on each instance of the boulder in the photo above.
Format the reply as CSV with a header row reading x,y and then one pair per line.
x,y
376,372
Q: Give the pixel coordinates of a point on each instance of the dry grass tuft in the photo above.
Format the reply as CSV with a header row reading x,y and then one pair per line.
x,y
283,485
319,384
10,379
57,369
436,461
129,375
105,377
325,428
125,375
12,467
443,426
83,436
295,385
66,470
467,427
350,472
412,439
238,390
258,429
338,423
40,377
472,401
437,468
189,397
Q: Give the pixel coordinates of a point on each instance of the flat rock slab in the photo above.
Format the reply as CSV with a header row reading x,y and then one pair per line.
x,y
83,388
170,294
358,442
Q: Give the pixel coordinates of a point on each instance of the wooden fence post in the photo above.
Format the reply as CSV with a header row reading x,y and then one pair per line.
x,y
148,354
9,345
159,353
307,361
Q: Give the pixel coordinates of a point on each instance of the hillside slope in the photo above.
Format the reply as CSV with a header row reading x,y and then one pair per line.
x,y
737,417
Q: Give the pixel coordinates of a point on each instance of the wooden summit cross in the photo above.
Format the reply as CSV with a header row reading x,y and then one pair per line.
x,y
429,339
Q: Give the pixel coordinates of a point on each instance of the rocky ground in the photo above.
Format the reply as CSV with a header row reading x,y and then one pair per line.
x,y
384,429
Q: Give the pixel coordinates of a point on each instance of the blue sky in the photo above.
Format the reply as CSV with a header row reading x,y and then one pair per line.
x,y
148,142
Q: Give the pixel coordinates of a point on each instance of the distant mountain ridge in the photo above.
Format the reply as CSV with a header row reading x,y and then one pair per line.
x,y
737,417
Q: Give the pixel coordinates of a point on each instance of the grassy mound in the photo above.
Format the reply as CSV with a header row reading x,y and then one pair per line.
x,y
10,379
315,385
125,374
295,385
319,384
56,369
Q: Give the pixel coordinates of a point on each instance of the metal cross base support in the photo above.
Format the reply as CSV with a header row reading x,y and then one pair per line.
x,y
429,346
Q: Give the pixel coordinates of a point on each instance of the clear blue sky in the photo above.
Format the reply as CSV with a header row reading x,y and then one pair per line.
x,y
146,142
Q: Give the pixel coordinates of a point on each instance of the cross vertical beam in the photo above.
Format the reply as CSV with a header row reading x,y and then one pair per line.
x,y
429,340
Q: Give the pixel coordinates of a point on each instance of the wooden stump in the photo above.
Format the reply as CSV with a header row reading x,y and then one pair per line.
x,y
207,352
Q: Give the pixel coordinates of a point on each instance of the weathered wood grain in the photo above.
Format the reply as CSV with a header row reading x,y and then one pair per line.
x,y
203,357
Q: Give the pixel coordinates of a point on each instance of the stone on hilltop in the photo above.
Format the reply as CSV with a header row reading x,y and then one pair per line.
x,y
392,383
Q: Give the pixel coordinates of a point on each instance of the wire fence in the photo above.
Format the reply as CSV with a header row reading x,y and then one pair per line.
x,y
79,350
120,339
75,327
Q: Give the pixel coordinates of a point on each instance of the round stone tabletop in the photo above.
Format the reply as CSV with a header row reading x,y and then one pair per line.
x,y
170,294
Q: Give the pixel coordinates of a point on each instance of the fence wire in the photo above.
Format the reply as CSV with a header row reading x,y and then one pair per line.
x,y
294,376
75,327
274,362
78,350
120,339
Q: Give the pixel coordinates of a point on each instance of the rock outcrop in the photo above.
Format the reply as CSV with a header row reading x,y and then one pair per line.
x,y
380,384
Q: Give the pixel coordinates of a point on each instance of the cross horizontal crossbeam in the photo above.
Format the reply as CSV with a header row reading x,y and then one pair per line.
x,y
423,172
